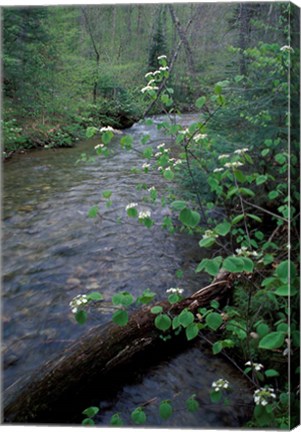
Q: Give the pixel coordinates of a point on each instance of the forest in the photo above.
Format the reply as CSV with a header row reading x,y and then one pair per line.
x,y
151,214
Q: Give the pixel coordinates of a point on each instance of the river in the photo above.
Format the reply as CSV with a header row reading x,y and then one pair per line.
x,y
51,252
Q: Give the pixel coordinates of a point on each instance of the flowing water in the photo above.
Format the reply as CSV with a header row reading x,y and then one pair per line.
x,y
52,252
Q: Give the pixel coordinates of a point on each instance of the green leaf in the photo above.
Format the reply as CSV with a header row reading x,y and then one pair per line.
x,y
189,217
272,341
120,318
107,194
138,416
223,228
186,317
271,373
215,396
116,420
202,265
148,152
147,296
283,270
248,264
178,205
168,174
91,411
107,137
95,296
262,329
81,316
91,131
214,304
265,152
213,265
162,322
165,410
199,103
237,219
192,331
261,179
156,310
88,422
123,298
254,217
174,298
127,141
233,264
214,320
132,212
207,242
93,212
192,404
145,138
273,194
285,291
217,347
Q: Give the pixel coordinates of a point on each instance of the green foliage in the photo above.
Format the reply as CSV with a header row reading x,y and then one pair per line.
x,y
120,318
165,410
138,416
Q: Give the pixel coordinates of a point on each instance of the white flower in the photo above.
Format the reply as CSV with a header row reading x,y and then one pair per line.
x,y
241,151
145,165
160,146
148,74
161,57
178,162
218,169
160,168
144,214
148,87
286,48
233,164
158,154
256,366
163,68
157,72
264,395
220,384
99,146
131,205
209,234
199,137
77,302
223,156
106,128
175,290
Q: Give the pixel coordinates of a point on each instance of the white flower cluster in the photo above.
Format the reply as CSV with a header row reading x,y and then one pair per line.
x,y
220,384
160,146
77,302
223,156
234,164
218,170
151,189
264,396
256,366
161,57
145,165
286,48
175,290
144,214
199,137
163,68
241,151
131,205
149,87
99,146
243,251
109,129
209,234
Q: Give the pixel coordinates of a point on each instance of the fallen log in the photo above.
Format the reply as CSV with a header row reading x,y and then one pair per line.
x,y
58,389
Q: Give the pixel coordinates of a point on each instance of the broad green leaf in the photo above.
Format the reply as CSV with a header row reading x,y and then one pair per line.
x,y
186,317
261,179
233,264
123,298
165,410
162,322
95,296
107,194
237,219
132,212
246,192
207,242
88,422
262,329
248,264
254,217
147,296
202,265
199,103
156,310
107,137
120,318
272,341
116,420
271,373
273,194
91,131
192,331
192,404
178,205
214,304
126,141
168,174
214,320
215,396
148,152
93,212
81,316
91,411
189,217
145,138
174,298
223,228
283,270
217,347
213,265
138,416
176,322
285,290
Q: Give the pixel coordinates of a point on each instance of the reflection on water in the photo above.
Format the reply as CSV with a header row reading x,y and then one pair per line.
x,y
52,251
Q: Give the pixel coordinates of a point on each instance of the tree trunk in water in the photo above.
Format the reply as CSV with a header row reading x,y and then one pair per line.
x,y
88,367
